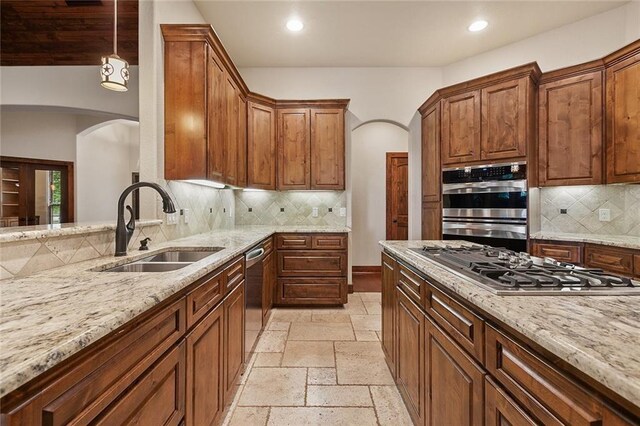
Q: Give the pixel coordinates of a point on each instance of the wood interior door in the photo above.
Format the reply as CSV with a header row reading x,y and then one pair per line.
x,y
461,128
397,196
294,148
327,149
261,147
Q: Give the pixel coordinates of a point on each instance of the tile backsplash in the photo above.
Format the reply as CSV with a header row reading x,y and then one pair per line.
x,y
209,209
583,204
289,207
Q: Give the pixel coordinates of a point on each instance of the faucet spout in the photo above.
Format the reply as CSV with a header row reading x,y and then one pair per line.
x,y
125,232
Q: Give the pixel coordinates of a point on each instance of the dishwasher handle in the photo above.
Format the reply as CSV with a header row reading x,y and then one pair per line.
x,y
254,256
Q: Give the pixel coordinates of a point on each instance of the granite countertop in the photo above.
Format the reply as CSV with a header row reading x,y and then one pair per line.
x,y
627,241
51,315
21,233
598,335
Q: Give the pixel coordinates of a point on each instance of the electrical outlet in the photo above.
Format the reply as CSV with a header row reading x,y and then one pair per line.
x,y
563,211
343,211
171,219
314,212
187,215
604,215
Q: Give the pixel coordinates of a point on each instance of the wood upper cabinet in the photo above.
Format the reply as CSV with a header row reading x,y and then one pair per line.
x,y
327,148
216,107
504,120
388,311
205,370
461,128
185,112
242,141
623,115
261,146
431,170
294,148
231,133
570,136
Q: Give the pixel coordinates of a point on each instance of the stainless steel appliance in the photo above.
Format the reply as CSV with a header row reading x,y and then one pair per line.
x,y
486,204
253,299
505,272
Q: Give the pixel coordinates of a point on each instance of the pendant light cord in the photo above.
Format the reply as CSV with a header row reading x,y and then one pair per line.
x,y
115,27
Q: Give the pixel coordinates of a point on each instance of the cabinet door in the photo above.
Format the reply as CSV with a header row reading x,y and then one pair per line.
x,y
268,285
388,310
454,382
461,128
231,137
504,120
205,386
233,340
501,410
432,221
242,142
216,117
609,258
294,148
561,251
623,121
327,149
185,140
157,398
570,127
431,170
261,147
410,355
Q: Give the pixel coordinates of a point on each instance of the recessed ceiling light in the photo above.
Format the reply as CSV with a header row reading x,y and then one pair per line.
x,y
478,26
294,25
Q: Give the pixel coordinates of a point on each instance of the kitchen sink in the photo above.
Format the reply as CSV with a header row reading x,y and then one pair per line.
x,y
165,261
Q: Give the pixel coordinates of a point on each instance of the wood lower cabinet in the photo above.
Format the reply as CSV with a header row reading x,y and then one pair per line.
x,y
611,259
269,274
622,115
234,311
410,352
311,269
261,146
388,302
501,409
563,252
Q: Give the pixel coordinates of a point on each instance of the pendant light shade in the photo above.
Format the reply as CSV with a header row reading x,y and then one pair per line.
x,y
114,71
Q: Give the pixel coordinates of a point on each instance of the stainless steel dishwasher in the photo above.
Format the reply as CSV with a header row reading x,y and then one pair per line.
x,y
253,299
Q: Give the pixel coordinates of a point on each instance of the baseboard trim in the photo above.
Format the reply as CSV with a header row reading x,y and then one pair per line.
x,y
359,270
350,288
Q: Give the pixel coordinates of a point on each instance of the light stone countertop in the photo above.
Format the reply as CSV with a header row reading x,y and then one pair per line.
x,y
626,241
598,335
51,315
22,233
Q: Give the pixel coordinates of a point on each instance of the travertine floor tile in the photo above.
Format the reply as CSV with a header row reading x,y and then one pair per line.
x,y
271,341
282,416
366,336
389,406
321,331
291,315
249,416
339,396
373,308
376,297
278,326
308,354
274,387
361,363
268,359
367,322
322,376
330,317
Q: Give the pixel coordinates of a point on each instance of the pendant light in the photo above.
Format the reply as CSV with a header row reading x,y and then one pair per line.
x,y
114,70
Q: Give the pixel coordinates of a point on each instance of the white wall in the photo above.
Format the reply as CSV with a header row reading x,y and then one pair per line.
x,y
76,87
106,157
582,41
369,145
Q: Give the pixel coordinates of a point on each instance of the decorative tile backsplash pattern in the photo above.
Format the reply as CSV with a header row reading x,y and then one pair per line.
x,y
583,204
289,207
208,210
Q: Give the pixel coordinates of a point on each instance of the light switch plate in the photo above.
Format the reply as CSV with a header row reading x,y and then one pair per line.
x,y
187,215
171,219
314,212
604,215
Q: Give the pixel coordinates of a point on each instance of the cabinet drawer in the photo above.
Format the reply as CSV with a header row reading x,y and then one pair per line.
x,y
501,409
411,283
524,374
312,263
609,259
561,252
267,245
329,242
636,265
466,328
89,388
204,297
234,273
293,242
312,290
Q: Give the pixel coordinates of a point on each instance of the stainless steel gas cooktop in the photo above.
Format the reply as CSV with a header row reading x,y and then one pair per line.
x,y
506,272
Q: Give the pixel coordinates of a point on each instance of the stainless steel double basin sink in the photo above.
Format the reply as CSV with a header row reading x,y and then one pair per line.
x,y
165,261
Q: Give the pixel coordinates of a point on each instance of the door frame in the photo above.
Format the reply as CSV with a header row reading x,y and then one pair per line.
x,y
391,156
66,167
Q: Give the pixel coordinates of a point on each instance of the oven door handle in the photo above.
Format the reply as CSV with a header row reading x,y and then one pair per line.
x,y
485,187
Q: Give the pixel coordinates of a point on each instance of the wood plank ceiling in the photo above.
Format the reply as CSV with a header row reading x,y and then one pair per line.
x,y
72,32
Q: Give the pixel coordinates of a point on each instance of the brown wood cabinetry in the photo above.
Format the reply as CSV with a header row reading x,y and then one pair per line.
x,y
570,135
261,146
327,148
242,141
311,269
623,115
608,258
388,302
233,340
269,275
460,135
563,252
294,148
217,114
432,221
501,410
431,170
